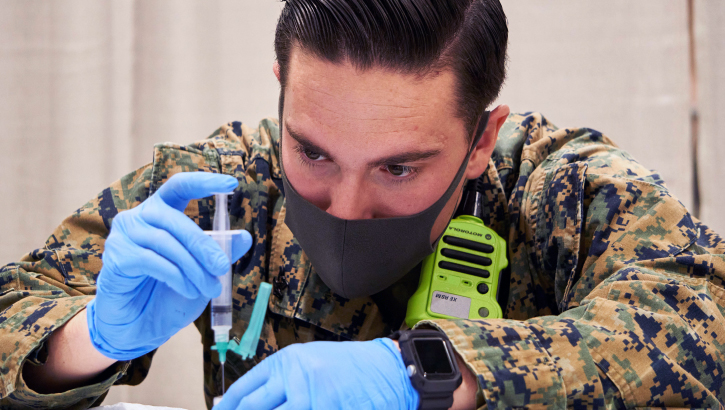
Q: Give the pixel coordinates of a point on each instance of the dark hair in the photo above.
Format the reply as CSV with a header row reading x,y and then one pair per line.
x,y
407,36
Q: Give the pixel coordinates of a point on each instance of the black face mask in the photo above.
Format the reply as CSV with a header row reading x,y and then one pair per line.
x,y
364,256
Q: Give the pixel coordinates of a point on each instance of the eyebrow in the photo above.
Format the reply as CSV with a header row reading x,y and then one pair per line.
x,y
395,159
305,142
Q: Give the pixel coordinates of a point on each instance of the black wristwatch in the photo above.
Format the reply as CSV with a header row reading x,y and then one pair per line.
x,y
432,367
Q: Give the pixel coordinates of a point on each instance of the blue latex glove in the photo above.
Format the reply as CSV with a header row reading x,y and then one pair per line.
x,y
326,375
159,269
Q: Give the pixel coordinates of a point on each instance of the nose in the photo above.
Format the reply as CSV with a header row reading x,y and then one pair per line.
x,y
350,200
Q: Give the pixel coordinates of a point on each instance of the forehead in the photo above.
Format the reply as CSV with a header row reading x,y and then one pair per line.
x,y
340,98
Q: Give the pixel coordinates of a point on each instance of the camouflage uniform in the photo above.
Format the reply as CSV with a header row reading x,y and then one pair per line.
x,y
615,299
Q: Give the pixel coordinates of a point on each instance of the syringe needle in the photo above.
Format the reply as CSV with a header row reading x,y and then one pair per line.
x,y
224,381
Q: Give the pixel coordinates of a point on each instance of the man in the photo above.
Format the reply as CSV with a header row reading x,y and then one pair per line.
x,y
615,292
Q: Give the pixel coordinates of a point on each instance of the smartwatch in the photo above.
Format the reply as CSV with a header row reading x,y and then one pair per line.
x,y
431,365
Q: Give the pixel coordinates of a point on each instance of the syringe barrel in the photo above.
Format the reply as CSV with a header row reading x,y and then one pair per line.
x,y
224,239
221,306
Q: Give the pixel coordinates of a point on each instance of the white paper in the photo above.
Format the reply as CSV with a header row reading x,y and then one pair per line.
x,y
133,406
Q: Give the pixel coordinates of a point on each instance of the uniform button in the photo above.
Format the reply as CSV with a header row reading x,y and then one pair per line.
x,y
482,288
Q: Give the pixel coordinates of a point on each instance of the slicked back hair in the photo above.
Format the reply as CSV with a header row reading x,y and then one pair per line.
x,y
416,37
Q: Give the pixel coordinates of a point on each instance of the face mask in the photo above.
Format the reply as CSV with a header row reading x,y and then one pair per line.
x,y
362,257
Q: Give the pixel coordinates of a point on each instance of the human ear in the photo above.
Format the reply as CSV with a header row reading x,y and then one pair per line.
x,y
482,151
275,69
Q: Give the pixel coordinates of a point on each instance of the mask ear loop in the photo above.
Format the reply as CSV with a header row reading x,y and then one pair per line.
x,y
476,138
480,128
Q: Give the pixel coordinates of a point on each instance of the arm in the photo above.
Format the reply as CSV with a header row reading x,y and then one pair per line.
x,y
48,289
159,272
72,360
635,284
464,398
52,286
44,297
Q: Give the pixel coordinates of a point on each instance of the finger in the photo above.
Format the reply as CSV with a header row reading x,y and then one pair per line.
x,y
116,262
185,186
203,248
267,397
254,379
145,235
192,276
136,265
240,245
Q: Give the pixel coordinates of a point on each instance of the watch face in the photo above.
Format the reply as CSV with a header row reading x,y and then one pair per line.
x,y
434,358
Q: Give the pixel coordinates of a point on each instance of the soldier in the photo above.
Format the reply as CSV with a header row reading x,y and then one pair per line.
x,y
615,291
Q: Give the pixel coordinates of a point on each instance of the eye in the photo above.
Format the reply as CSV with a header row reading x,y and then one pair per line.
x,y
312,155
399,170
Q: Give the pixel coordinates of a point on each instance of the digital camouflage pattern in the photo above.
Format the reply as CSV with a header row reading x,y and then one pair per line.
x,y
615,298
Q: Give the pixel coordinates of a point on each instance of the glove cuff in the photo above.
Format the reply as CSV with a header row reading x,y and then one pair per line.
x,y
412,397
102,345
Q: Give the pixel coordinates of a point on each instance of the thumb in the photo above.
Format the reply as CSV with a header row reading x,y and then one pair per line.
x,y
240,245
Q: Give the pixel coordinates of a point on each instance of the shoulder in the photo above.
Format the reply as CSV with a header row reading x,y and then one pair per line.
x,y
235,148
531,139
258,141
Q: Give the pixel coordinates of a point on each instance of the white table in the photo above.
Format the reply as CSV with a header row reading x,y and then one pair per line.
x,y
132,406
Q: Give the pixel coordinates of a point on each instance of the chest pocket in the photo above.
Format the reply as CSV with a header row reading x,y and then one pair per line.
x,y
308,309
557,239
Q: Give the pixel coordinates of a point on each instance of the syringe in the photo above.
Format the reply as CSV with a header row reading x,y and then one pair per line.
x,y
221,306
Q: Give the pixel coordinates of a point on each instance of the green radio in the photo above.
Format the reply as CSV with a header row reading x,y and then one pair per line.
x,y
462,278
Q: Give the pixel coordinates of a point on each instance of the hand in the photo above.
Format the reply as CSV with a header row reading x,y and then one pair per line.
x,y
326,375
159,269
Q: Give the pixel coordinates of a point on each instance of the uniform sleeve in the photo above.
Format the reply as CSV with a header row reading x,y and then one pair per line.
x,y
638,283
52,284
